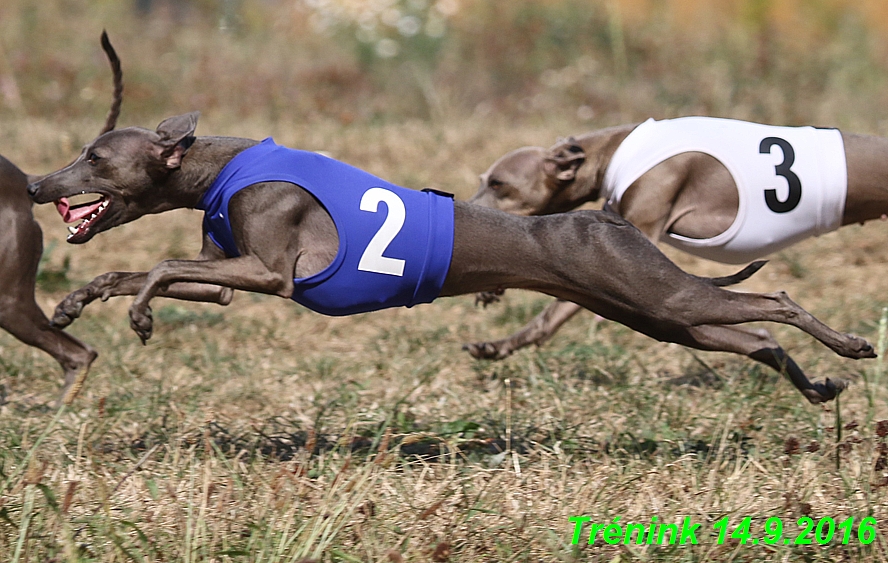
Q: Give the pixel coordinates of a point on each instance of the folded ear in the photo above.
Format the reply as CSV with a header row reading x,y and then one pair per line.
x,y
563,160
176,136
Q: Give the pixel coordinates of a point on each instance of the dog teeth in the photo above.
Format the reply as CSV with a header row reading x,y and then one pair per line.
x,y
86,222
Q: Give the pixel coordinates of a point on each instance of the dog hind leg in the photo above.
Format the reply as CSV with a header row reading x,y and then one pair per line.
x,y
774,307
758,345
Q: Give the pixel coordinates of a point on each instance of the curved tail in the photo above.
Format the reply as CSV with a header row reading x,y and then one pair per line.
x,y
114,112
743,274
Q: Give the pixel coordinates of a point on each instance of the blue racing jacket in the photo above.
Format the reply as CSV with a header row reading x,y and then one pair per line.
x,y
395,244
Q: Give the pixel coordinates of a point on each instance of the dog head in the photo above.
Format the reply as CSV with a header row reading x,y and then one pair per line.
x,y
118,177
532,180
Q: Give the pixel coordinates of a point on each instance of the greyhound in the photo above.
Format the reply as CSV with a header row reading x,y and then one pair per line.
x,y
683,190
313,231
20,257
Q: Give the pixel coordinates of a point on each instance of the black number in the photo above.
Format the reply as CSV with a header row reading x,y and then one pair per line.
x,y
782,169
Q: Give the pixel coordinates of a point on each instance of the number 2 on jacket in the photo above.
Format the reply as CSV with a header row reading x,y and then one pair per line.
x,y
372,260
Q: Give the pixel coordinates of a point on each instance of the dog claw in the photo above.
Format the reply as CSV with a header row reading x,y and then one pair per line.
x,y
143,335
822,392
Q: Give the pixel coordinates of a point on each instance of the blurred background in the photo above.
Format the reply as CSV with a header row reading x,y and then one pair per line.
x,y
425,92
585,61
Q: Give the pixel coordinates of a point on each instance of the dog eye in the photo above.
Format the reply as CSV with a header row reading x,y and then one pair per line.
x,y
93,158
493,183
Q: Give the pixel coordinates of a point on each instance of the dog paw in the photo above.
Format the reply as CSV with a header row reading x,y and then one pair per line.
x,y
60,320
859,348
854,347
823,391
67,312
141,322
485,298
487,350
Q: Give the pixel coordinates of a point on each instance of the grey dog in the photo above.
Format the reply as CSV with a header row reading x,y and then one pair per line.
x,y
281,233
691,194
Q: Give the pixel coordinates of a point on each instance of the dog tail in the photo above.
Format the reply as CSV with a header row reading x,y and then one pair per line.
x,y
743,274
114,60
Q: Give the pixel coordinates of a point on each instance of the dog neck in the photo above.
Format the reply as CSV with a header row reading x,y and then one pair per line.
x,y
599,147
205,159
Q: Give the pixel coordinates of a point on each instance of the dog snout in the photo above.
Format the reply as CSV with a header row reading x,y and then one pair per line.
x,y
33,189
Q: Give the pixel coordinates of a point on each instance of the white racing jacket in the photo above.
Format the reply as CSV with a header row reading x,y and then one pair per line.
x,y
792,181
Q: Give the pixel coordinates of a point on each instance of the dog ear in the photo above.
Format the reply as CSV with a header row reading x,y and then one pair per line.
x,y
563,160
176,136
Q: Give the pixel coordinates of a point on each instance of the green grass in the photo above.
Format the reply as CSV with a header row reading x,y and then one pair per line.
x,y
265,432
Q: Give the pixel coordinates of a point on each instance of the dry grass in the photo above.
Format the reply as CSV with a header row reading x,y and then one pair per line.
x,y
264,432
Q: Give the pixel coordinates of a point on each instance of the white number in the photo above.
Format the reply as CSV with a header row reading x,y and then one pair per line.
x,y
372,260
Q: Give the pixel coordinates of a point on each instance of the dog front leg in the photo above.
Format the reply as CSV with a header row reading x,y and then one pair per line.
x,y
114,284
246,273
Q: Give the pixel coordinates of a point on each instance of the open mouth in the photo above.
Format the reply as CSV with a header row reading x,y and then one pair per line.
x,y
87,212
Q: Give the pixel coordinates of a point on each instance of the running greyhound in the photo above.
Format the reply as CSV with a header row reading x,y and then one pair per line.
x,y
726,190
20,257
306,227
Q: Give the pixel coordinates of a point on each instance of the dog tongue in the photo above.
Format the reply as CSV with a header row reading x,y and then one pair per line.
x,y
63,207
69,214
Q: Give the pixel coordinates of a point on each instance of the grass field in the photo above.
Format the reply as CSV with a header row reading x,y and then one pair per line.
x,y
265,432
